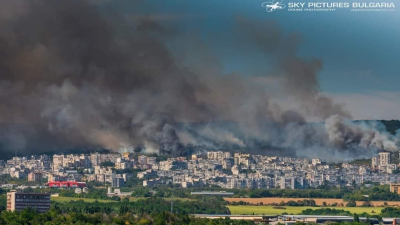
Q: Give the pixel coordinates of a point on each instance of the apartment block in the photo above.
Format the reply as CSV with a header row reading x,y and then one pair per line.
x,y
19,201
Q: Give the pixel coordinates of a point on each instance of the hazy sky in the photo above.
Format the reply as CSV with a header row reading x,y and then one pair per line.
x,y
359,49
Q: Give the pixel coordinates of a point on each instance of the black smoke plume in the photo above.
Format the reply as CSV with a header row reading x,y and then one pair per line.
x,y
72,75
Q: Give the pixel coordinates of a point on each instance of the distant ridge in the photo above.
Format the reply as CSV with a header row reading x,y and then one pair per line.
x,y
391,125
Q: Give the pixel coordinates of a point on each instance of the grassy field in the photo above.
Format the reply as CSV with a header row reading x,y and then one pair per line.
x,y
318,201
133,199
68,199
361,162
181,199
269,210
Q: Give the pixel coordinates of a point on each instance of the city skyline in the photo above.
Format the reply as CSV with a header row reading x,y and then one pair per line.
x,y
214,168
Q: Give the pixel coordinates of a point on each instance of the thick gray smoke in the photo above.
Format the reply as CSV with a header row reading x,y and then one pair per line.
x,y
72,76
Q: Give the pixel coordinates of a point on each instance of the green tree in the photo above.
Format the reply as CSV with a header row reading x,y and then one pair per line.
x,y
356,218
351,204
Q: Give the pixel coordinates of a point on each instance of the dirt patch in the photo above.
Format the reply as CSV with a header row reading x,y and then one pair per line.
x,y
318,201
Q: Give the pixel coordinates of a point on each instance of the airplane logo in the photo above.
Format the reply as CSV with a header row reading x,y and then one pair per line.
x,y
273,5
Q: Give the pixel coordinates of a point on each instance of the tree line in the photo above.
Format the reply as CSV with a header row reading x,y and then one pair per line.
x,y
57,217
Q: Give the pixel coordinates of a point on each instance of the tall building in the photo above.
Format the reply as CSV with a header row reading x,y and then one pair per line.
x,y
85,161
35,177
227,155
151,160
298,183
293,183
282,183
95,159
58,160
118,182
384,158
227,164
374,162
215,155
20,201
142,159
236,160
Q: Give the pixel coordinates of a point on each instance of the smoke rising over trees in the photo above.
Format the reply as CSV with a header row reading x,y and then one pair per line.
x,y
72,75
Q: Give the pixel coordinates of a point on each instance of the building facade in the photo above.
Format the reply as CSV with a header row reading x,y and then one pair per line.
x,y
38,177
374,162
394,188
118,182
384,158
20,201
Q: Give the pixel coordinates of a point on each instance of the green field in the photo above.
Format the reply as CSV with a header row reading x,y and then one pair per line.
x,y
68,199
181,199
269,210
133,199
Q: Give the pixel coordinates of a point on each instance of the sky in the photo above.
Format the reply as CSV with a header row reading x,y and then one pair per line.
x,y
359,49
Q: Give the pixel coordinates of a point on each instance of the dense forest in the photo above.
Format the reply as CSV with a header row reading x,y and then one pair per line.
x,y
386,212
209,205
391,125
57,217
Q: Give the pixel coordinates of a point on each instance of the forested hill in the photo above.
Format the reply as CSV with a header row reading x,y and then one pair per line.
x,y
391,125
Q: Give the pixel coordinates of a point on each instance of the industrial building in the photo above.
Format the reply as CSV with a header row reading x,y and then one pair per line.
x,y
66,184
19,201
255,218
117,192
318,219
291,219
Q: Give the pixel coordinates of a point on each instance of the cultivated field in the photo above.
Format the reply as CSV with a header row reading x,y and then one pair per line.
x,y
318,201
68,199
269,210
